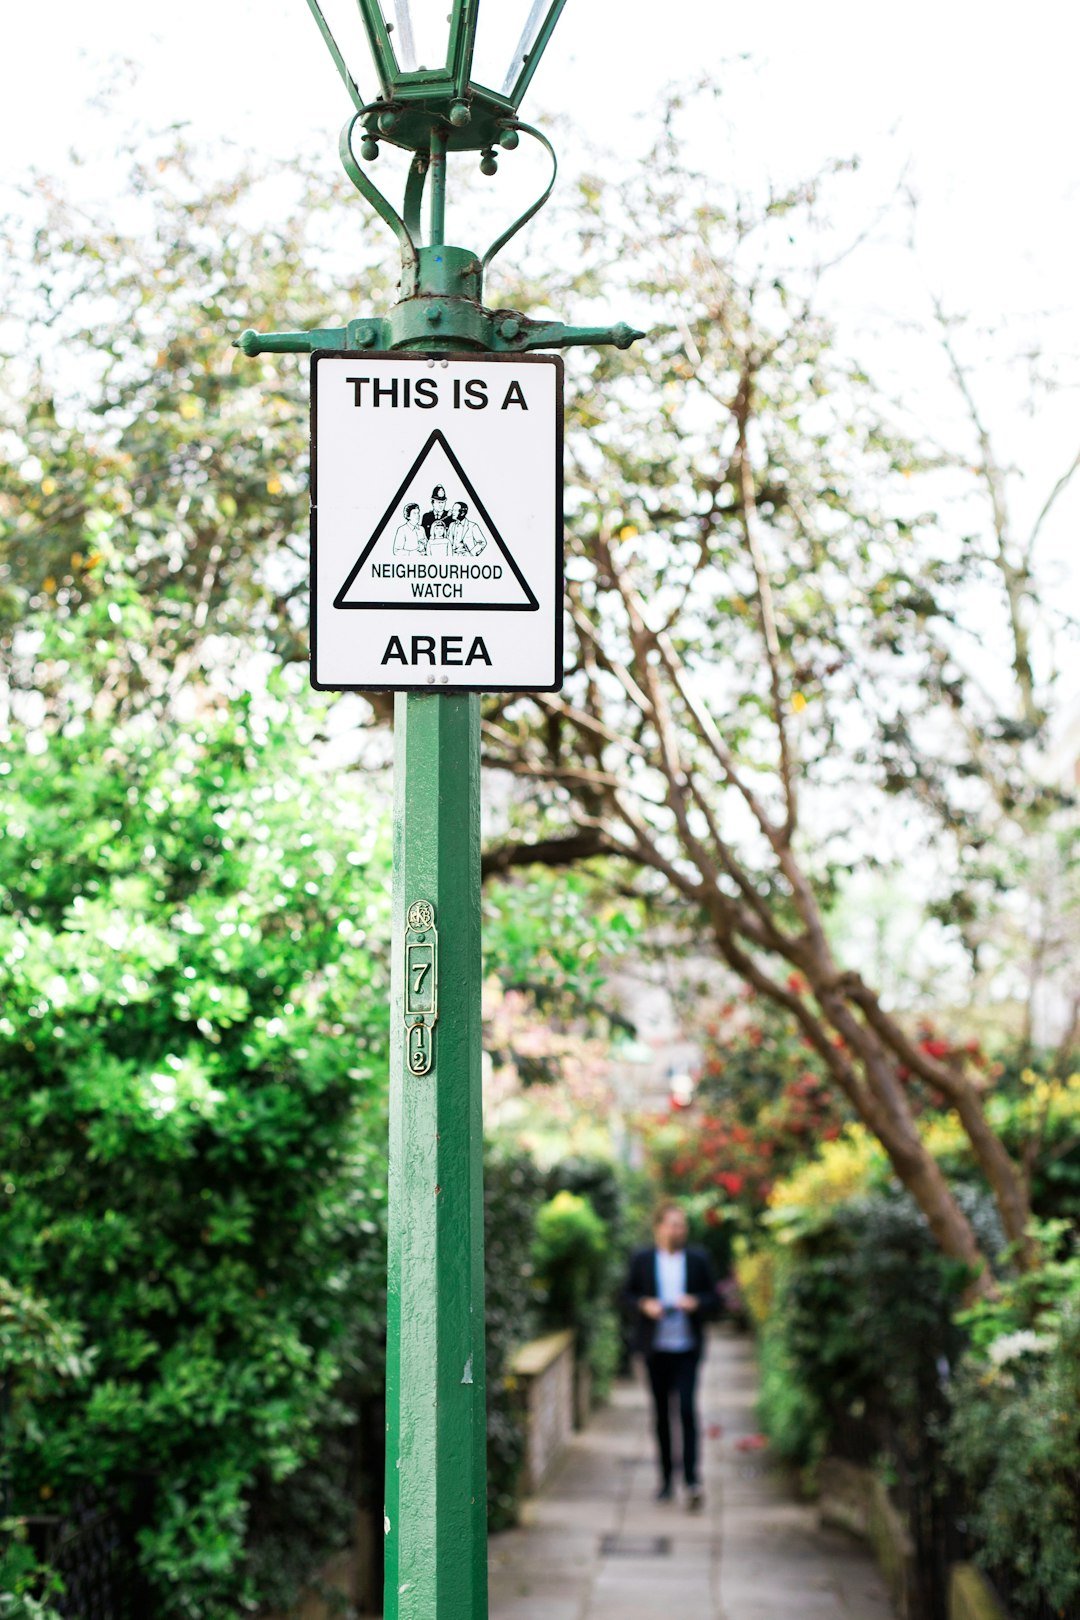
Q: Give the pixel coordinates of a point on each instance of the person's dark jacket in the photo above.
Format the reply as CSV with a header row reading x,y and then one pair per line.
x,y
641,1283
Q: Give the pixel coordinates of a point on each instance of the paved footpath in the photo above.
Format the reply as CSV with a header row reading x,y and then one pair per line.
x,y
595,1545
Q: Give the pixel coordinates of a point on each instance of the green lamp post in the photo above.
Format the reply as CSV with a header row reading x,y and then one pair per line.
x,y
451,75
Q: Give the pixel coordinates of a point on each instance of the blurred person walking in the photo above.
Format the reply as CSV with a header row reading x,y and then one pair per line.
x,y
671,1292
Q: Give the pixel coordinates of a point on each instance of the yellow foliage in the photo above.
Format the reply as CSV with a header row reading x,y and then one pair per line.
x,y
798,702
1060,1098
1046,1102
841,1170
944,1136
755,1273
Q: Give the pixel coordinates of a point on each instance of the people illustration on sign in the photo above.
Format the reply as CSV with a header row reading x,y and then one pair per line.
x,y
410,536
437,518
444,531
465,538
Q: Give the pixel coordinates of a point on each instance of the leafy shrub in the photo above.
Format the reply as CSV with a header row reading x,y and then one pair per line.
x,y
1014,1436
623,1200
842,1169
37,1351
791,1414
512,1195
25,1586
863,1317
1043,1110
570,1253
570,1257
604,1350
861,1343
575,1273
713,1226
602,1183
191,1162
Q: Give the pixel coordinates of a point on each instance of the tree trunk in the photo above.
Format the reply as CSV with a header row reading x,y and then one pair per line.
x,y
885,1111
1006,1179
880,1103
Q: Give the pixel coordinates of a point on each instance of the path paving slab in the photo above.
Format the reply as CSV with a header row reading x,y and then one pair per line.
x,y
596,1545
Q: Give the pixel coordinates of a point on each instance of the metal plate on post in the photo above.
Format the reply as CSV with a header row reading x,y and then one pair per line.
x,y
436,523
421,984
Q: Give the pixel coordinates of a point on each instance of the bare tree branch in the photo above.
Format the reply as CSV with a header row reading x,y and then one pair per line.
x,y
1051,500
1016,578
568,851
748,517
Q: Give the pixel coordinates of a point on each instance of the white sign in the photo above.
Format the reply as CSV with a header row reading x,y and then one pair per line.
x,y
436,523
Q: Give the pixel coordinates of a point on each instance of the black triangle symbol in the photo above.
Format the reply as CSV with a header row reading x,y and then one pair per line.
x,y
530,605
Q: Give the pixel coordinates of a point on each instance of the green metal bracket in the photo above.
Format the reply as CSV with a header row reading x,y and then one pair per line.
x,y
555,335
441,287
495,331
534,208
414,195
371,193
252,343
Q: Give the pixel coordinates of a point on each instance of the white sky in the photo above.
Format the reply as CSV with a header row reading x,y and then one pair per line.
x,y
975,105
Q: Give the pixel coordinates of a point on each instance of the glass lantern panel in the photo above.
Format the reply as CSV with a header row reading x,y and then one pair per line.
x,y
419,33
506,31
342,18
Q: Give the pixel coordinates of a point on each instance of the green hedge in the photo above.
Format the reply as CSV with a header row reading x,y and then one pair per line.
x,y
513,1190
1013,1437
973,1415
193,1176
862,1321
584,1235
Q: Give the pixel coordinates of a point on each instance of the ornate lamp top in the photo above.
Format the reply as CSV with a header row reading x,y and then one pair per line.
x,y
449,81
466,68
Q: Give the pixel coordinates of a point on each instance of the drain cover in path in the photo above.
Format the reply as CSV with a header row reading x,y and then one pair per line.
x,y
614,1546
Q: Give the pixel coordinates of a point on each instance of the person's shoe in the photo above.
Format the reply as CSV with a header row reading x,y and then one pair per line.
x,y
664,1493
695,1498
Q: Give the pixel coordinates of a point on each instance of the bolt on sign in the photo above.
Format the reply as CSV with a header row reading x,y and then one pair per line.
x,y
436,523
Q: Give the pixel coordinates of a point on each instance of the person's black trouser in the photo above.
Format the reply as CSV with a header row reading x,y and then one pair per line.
x,y
675,1372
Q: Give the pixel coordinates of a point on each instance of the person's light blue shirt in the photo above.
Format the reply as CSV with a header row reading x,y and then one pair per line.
x,y
673,1331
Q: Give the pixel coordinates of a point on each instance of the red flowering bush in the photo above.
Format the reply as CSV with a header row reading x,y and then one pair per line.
x,y
762,1103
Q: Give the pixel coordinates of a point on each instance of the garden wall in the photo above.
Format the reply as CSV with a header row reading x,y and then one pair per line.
x,y
971,1597
545,1369
855,1499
